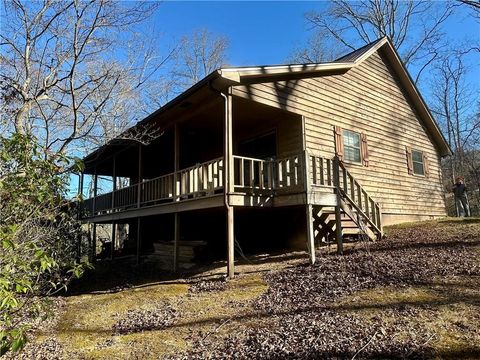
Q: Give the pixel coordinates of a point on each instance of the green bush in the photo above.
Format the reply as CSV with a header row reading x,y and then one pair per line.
x,y
39,234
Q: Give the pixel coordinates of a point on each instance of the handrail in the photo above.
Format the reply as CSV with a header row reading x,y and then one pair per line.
x,y
358,197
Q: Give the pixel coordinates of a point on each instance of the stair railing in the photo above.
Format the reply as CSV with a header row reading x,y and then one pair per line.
x,y
357,196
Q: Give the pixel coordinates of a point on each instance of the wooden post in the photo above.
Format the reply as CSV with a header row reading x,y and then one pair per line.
x,y
94,243
229,183
139,239
114,180
80,186
310,234
139,183
231,243
175,241
309,209
95,180
112,247
79,213
380,222
176,162
338,213
176,222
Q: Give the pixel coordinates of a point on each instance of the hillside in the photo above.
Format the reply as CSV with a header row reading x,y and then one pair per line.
x,y
415,294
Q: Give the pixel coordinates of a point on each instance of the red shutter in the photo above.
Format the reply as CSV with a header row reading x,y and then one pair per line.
x,y
338,142
409,160
426,165
364,147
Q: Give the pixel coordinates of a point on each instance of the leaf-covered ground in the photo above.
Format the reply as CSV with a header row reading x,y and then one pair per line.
x,y
415,295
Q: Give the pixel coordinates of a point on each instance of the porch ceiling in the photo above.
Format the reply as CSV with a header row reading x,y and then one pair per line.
x,y
200,126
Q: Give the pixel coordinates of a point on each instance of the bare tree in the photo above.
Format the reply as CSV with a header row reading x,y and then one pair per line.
x,y
60,65
452,103
317,50
198,55
457,108
415,27
474,6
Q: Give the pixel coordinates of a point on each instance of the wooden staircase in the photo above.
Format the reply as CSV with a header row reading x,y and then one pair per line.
x,y
356,212
356,203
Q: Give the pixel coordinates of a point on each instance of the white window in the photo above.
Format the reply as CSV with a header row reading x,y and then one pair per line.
x,y
417,161
352,146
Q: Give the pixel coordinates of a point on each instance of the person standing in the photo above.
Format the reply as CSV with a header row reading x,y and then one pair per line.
x,y
461,200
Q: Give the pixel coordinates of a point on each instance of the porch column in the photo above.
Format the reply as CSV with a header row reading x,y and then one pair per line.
x,y
95,181
176,222
114,180
139,182
139,238
80,186
176,238
310,234
94,243
338,213
112,246
309,208
228,183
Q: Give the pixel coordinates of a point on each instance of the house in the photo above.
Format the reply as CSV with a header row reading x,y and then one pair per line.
x,y
311,152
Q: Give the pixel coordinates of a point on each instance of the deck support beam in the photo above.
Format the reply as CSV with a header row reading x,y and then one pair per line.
x,y
310,234
114,233
139,239
93,253
175,241
231,243
338,211
114,178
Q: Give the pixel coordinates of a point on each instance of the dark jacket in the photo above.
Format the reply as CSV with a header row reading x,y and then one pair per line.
x,y
460,190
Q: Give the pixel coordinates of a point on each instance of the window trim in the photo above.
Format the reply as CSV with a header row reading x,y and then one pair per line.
x,y
360,162
422,156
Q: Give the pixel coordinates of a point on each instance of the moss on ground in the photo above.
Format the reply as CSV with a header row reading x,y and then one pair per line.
x,y
440,315
445,314
85,328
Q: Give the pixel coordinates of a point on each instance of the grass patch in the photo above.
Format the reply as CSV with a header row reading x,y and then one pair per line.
x,y
85,326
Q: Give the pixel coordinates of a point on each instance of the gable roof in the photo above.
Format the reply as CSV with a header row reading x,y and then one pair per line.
x,y
228,76
355,55
344,64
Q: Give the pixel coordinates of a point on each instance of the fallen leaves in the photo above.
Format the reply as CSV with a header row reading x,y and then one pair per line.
x,y
304,318
144,320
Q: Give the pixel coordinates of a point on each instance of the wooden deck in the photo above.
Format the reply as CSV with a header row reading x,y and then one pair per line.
x,y
256,183
302,179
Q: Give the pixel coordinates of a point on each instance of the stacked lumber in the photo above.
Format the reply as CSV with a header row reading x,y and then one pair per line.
x,y
188,252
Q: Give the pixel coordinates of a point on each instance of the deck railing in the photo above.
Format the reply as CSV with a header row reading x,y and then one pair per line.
x,y
158,189
321,171
257,176
251,176
200,180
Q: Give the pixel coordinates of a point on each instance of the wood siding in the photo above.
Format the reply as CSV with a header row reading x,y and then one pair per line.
x,y
366,99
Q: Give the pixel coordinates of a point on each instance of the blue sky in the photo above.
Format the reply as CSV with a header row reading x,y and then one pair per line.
x,y
263,32
259,32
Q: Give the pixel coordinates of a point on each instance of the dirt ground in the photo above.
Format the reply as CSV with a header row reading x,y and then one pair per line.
x,y
415,294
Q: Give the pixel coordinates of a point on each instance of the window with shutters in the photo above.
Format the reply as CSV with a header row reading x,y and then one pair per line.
x,y
418,163
352,146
